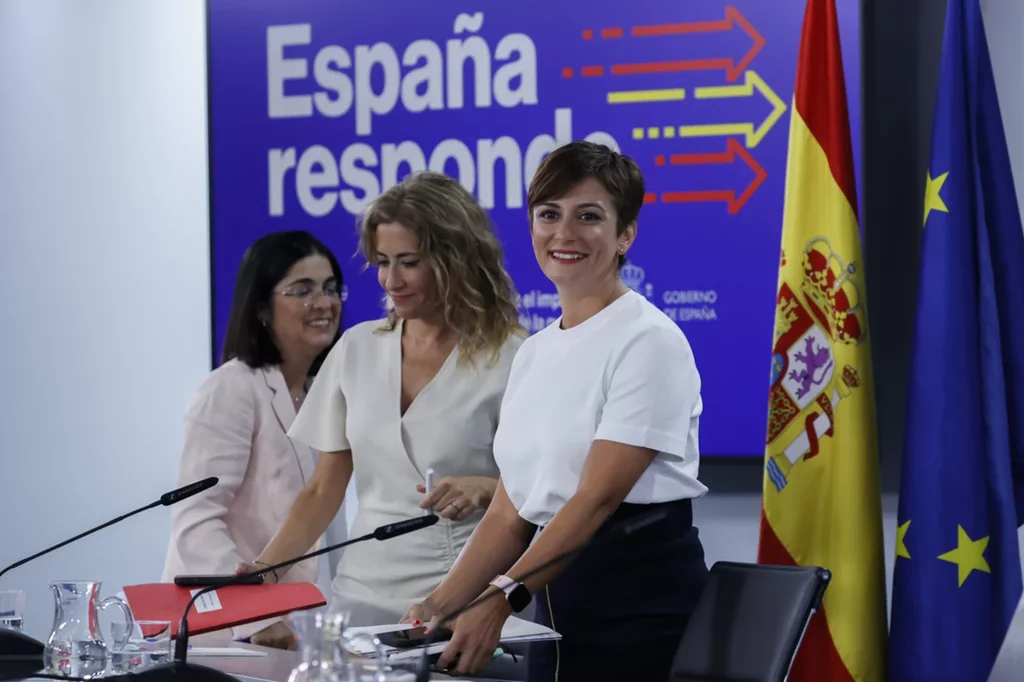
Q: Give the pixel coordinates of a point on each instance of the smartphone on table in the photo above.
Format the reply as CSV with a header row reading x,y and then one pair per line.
x,y
413,637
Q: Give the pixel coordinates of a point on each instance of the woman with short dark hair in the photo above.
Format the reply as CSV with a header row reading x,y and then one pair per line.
x,y
284,320
599,427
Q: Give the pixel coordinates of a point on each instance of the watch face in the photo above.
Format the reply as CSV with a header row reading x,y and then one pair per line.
x,y
519,598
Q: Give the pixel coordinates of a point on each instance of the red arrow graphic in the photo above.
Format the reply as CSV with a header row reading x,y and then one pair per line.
x,y
732,150
733,68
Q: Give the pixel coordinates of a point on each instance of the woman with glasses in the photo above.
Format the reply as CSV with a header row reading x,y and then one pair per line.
x,y
414,393
284,319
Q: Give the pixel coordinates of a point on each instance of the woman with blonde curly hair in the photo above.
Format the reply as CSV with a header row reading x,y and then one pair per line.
x,y
418,391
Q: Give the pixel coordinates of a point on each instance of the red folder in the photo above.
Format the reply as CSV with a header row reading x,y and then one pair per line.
x,y
224,607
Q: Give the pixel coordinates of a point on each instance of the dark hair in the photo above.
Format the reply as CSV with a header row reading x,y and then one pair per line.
x,y
265,263
571,164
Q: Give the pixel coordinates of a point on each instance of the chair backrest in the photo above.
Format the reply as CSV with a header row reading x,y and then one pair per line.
x,y
748,622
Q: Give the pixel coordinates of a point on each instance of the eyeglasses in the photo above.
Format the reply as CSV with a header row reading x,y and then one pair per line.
x,y
308,294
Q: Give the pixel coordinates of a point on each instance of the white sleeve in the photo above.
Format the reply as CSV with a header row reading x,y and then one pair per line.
x,y
320,423
653,393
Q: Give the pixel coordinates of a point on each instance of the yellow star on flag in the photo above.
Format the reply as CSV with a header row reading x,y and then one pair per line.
x,y
932,199
901,538
969,554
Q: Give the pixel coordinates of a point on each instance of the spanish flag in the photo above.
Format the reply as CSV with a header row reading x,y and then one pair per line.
x,y
821,501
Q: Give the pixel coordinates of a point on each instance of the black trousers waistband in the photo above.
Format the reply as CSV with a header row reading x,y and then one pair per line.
x,y
657,568
678,517
624,597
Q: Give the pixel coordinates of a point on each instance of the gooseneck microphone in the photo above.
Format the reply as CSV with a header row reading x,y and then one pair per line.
x,y
167,499
386,532
17,648
622,529
180,670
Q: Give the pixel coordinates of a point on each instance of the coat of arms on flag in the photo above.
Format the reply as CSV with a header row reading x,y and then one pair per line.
x,y
806,383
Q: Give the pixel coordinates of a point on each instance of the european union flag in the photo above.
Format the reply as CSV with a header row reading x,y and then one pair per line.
x,y
957,578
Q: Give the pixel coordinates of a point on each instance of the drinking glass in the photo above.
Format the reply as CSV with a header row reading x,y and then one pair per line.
x,y
148,644
12,609
404,670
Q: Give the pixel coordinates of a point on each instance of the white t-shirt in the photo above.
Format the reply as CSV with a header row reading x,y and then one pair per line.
x,y
626,375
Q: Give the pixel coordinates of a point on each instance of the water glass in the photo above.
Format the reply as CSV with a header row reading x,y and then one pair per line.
x,y
12,609
149,644
404,670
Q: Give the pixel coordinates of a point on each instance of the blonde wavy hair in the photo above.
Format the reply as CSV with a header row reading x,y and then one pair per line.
x,y
458,243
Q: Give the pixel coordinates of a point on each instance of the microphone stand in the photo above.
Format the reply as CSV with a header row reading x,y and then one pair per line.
x,y
15,643
17,649
623,529
181,669
100,527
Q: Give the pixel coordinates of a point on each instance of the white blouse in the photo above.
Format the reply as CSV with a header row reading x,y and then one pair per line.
x,y
355,404
626,375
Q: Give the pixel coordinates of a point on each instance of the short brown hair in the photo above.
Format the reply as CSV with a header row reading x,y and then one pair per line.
x,y
457,241
573,163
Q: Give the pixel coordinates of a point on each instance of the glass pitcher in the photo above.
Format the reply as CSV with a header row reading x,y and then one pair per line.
x,y
308,627
324,644
340,643
76,647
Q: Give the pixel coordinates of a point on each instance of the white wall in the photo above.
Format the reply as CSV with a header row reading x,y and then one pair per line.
x,y
1004,26
104,269
104,273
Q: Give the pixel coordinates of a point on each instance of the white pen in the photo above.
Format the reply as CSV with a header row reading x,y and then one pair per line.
x,y
430,486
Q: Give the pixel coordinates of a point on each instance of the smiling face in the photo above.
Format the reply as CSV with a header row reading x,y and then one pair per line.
x,y
306,308
576,238
403,273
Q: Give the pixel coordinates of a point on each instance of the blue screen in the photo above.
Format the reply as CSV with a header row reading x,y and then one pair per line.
x,y
316,106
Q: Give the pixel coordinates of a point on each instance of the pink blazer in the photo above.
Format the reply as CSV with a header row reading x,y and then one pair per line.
x,y
236,429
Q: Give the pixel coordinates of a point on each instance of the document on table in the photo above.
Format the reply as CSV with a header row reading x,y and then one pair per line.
x,y
224,651
514,630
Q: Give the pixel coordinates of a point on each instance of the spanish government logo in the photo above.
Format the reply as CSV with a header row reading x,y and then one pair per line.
x,y
806,382
633,277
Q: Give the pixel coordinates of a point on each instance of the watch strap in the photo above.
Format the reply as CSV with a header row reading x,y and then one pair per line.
x,y
504,583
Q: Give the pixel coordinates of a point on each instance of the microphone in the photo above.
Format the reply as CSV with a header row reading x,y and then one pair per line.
x,y
622,529
180,669
26,649
185,492
167,499
386,532
393,530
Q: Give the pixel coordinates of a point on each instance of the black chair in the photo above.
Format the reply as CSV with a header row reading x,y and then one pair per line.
x,y
748,623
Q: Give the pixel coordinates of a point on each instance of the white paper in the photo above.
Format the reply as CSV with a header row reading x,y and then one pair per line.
x,y
224,651
519,629
207,602
514,630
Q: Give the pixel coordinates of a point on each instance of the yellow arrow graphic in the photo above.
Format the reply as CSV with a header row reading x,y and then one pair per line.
x,y
751,82
753,133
